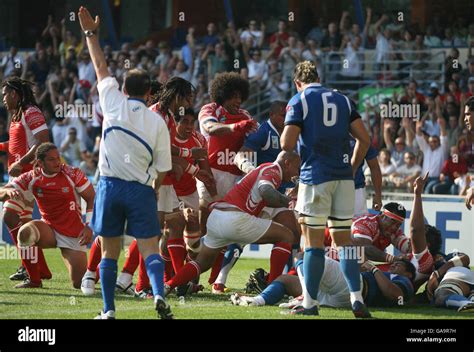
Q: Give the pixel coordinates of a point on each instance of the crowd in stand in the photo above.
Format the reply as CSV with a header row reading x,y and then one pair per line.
x,y
437,141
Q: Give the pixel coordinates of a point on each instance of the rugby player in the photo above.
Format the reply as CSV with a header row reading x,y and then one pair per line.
x,y
58,190
27,131
324,120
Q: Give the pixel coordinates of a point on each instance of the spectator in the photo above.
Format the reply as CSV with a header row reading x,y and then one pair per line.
x,y
216,60
278,87
464,182
332,40
430,119
163,60
467,76
431,40
318,32
79,118
353,60
470,36
450,40
86,75
211,38
89,164
257,36
182,70
406,173
280,38
397,149
12,63
383,46
386,165
289,57
312,52
435,150
452,64
72,148
453,168
148,50
188,48
258,68
234,49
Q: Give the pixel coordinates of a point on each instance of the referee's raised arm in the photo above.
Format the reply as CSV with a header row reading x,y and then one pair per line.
x,y
90,29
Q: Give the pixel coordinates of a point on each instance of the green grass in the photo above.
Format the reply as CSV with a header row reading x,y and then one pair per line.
x,y
58,300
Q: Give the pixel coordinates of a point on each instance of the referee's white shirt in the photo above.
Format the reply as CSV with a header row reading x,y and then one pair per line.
x,y
135,143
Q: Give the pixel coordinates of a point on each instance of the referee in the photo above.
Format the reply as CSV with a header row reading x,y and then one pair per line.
x,y
134,158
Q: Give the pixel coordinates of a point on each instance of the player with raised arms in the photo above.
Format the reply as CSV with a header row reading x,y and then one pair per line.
x,y
324,120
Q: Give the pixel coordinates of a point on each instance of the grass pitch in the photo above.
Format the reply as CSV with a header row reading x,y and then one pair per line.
x,y
58,300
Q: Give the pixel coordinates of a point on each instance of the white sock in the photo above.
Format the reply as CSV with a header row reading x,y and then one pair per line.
x,y
301,277
356,296
259,301
125,279
222,277
89,273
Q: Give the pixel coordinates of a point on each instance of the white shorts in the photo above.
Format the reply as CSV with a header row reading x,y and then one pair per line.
x,y
360,205
227,227
333,289
270,213
224,183
332,198
68,242
167,199
190,201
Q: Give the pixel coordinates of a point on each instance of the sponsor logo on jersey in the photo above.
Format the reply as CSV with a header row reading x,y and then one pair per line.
x,y
275,144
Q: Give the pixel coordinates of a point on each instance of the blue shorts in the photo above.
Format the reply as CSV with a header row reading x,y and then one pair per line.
x,y
117,201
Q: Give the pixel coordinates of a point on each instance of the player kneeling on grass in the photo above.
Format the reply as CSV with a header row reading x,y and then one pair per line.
x,y
391,288
235,219
57,189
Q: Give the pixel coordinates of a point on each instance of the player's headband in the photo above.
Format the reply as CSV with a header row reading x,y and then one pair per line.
x,y
393,216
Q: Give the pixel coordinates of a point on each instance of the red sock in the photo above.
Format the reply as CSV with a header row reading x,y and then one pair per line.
x,y
188,272
216,268
45,273
143,281
133,258
177,251
280,253
168,268
95,255
27,256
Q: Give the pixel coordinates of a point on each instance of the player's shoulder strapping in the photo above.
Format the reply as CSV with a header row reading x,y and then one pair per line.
x,y
209,112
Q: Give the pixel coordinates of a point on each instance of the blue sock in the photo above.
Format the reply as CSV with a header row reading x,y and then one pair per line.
x,y
455,301
350,267
108,278
273,293
294,250
155,270
299,263
313,268
231,256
